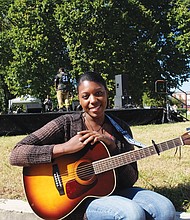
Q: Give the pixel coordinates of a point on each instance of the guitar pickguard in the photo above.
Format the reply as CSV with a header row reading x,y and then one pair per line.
x,y
75,189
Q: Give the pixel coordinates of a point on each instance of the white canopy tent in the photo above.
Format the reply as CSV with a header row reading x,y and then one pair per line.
x,y
28,102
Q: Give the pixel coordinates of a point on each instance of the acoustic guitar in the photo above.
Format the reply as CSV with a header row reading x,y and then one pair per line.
x,y
56,189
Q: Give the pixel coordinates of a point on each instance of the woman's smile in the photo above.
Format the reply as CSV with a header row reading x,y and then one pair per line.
x,y
93,98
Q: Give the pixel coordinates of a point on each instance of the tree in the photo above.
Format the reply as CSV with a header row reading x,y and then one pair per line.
x,y
131,37
146,40
37,47
5,55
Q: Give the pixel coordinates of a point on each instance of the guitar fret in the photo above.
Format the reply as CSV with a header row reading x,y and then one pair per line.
x,y
165,146
134,155
177,142
150,151
143,154
122,159
173,141
169,144
130,158
137,153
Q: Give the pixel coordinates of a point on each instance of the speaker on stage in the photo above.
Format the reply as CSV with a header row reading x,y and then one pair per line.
x,y
33,108
121,97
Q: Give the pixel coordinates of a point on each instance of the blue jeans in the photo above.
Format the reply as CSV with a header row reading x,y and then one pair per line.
x,y
131,204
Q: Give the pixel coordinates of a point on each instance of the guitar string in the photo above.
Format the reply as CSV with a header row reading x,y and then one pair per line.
x,y
87,170
72,177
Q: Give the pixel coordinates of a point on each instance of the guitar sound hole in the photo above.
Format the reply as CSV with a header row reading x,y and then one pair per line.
x,y
85,171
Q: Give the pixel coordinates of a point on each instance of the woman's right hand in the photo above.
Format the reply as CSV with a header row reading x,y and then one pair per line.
x,y
72,146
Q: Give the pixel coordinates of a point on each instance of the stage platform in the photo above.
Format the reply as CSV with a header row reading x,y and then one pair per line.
x,y
25,123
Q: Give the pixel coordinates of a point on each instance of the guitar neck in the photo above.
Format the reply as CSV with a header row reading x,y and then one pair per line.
x,y
116,161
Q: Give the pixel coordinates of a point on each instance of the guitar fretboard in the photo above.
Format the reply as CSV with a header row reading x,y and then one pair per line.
x,y
110,163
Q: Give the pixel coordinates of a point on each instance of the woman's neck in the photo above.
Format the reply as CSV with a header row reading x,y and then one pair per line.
x,y
94,124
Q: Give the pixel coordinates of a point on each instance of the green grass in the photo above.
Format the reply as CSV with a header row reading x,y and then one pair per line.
x,y
167,174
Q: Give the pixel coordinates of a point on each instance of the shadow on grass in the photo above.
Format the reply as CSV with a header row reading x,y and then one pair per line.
x,y
180,196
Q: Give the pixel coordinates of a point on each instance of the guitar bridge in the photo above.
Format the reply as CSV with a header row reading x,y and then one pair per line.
x,y
58,180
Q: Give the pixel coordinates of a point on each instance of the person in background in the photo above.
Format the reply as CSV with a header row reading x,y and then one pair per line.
x,y
62,85
48,105
71,133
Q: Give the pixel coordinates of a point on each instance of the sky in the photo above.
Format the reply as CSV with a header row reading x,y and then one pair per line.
x,y
186,86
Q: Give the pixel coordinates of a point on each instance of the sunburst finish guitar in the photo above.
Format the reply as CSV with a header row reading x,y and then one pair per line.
x,y
54,190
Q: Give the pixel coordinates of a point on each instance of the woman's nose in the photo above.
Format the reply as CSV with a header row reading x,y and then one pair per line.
x,y
93,99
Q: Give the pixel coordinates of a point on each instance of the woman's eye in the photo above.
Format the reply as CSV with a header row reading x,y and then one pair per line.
x,y
85,96
99,93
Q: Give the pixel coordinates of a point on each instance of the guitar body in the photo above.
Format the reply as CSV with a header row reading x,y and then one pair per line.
x,y
55,189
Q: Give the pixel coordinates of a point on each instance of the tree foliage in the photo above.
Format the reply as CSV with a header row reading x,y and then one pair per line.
x,y
5,54
145,40
37,47
137,38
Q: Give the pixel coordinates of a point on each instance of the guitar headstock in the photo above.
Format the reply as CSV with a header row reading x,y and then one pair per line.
x,y
186,138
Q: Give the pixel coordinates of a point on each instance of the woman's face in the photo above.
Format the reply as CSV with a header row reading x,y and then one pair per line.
x,y
93,98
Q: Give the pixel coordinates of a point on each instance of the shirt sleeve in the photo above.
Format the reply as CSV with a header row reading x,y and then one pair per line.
x,y
38,146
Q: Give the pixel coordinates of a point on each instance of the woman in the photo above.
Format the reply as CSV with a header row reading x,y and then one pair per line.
x,y
70,133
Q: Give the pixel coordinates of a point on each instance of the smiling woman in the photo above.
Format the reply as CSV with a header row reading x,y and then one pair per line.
x,y
75,160
93,99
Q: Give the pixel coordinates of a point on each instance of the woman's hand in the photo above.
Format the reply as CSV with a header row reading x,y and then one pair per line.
x,y
79,141
72,146
93,137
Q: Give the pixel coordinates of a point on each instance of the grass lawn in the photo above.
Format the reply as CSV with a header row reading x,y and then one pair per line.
x,y
167,173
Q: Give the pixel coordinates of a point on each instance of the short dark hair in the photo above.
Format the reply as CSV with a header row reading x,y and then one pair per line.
x,y
92,76
61,69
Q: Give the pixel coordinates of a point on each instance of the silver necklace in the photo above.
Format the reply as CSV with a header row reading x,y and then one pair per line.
x,y
101,127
